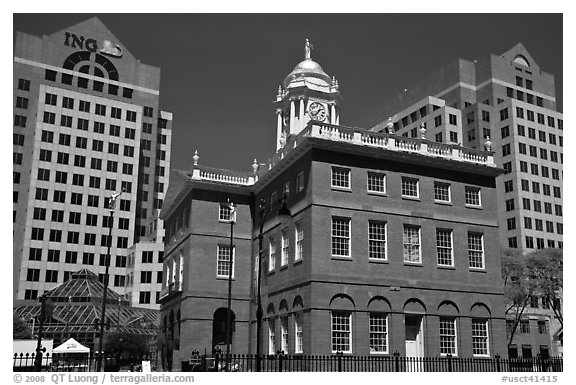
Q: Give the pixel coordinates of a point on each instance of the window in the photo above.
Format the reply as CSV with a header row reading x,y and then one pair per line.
x,y
148,111
81,142
557,193
17,158
410,187
452,119
341,237
341,331
100,109
57,216
438,121
24,84
298,334
50,99
64,139
82,124
97,145
284,333
521,148
341,177
112,166
453,137
525,185
271,336
448,336
74,218
68,103
536,187
129,133
71,257
505,132
300,181
524,327
480,337
542,329
99,127
116,113
131,116
147,128
84,106
224,213
411,242
444,247
510,204
472,196
39,213
129,151
537,206
73,237
377,240
90,239
41,194
529,242
511,223
113,148
49,117
35,254
144,297
485,116
114,130
59,196
299,242
37,234
145,277
223,262
378,333
476,250
43,174
506,149
376,182
272,254
534,169
530,115
128,168
285,246
438,137
521,130
504,114
545,172
33,275
513,243
442,192
21,102
508,186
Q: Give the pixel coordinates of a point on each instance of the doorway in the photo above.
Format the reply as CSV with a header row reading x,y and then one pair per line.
x,y
414,335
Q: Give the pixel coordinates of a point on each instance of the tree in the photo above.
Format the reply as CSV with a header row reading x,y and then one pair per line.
x,y
126,346
20,329
518,289
545,272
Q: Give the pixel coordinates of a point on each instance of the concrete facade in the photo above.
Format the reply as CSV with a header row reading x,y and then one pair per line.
x,y
87,123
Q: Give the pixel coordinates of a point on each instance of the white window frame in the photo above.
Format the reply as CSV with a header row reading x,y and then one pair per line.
x,y
271,254
448,336
406,180
404,243
345,239
449,247
298,333
470,189
473,251
346,181
224,213
285,247
375,174
284,334
442,184
345,334
220,261
376,330
379,243
299,239
271,336
483,338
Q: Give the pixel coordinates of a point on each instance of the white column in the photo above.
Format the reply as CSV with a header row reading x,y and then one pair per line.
x,y
292,116
301,124
278,128
337,115
332,114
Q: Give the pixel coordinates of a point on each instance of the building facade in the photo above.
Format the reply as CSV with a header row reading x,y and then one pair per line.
x,y
509,99
391,244
87,123
511,102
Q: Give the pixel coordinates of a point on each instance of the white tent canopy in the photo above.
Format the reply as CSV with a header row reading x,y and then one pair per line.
x,y
71,346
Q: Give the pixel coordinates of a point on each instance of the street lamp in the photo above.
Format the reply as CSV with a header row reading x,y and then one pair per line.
x,y
107,263
283,212
232,217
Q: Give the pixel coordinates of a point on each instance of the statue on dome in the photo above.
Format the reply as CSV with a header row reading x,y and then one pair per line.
x,y
307,49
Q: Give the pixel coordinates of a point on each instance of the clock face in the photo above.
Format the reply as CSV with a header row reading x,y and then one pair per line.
x,y
316,111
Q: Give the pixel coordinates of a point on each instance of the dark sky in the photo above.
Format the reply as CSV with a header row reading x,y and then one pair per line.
x,y
220,72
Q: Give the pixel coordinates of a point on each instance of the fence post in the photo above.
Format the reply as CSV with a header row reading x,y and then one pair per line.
x,y
449,357
339,357
497,357
280,356
396,361
217,362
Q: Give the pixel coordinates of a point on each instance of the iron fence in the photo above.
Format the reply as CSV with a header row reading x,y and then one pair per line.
x,y
25,362
352,363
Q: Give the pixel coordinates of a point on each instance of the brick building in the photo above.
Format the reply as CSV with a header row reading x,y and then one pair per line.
x,y
391,245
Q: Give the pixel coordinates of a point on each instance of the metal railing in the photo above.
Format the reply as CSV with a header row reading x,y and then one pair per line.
x,y
24,362
372,363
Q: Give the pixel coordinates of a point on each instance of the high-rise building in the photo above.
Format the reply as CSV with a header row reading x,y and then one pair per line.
x,y
391,243
87,123
508,101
